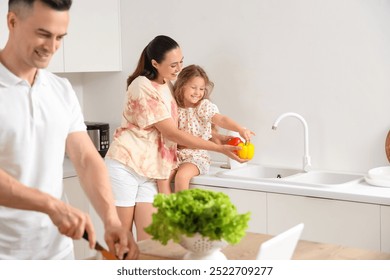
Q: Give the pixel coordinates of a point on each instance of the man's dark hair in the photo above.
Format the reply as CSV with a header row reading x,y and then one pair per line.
x,y
58,5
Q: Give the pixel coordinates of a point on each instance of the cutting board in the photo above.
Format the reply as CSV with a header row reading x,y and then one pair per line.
x,y
387,146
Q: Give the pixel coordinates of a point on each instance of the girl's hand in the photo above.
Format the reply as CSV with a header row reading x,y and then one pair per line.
x,y
246,134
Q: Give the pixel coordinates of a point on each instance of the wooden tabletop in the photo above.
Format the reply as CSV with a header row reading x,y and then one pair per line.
x,y
248,247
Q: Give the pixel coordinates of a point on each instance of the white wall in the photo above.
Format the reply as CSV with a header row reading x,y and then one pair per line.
x,y
3,23
326,60
77,83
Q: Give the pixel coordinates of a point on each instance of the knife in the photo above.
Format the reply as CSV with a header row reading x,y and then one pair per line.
x,y
106,254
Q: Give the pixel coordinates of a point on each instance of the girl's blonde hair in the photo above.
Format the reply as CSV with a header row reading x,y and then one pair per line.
x,y
186,75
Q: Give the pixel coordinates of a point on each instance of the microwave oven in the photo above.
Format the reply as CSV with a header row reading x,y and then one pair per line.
x,y
99,133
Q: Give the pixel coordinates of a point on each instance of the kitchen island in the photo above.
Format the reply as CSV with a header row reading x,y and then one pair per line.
x,y
249,246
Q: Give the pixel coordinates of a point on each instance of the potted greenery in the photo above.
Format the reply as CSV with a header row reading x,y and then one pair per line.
x,y
208,217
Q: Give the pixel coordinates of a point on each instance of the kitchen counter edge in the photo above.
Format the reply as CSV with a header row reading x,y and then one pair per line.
x,y
358,192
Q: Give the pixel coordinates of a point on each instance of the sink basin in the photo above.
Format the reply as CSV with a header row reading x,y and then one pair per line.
x,y
326,178
314,178
255,172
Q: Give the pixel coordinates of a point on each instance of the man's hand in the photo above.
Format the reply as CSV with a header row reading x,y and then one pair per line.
x,y
70,221
133,252
121,243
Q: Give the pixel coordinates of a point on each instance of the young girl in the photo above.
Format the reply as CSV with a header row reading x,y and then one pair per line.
x,y
197,115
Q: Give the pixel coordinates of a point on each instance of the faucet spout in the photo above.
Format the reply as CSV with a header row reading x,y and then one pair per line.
x,y
306,156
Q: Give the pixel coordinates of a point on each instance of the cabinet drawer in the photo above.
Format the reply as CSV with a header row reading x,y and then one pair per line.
x,y
385,229
329,221
246,201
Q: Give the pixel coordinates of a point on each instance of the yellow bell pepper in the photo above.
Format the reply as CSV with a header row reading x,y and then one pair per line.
x,y
247,150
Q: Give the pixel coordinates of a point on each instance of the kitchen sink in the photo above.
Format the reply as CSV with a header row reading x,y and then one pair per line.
x,y
325,178
292,176
255,172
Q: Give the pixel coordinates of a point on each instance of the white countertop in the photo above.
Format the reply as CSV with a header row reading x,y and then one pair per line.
x,y
358,192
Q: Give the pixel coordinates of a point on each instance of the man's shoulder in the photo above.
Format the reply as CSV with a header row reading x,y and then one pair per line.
x,y
50,75
53,79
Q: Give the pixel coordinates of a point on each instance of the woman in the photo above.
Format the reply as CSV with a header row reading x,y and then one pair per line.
x,y
144,146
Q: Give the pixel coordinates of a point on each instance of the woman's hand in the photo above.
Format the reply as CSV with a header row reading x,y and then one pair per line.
x,y
229,151
220,139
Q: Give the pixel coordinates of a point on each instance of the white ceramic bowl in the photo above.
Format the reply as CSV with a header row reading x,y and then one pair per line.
x,y
377,182
380,173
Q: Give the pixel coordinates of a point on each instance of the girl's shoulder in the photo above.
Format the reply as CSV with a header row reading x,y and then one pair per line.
x,y
205,103
206,109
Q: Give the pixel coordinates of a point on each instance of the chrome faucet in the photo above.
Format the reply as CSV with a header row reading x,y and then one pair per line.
x,y
306,157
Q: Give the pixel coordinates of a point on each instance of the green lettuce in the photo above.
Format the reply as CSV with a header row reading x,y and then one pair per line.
x,y
187,212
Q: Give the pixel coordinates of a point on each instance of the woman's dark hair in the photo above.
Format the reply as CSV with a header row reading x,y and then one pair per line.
x,y
58,5
186,74
156,50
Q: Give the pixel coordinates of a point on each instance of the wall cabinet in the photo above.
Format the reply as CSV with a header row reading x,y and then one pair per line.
x,y
247,201
93,42
76,197
385,228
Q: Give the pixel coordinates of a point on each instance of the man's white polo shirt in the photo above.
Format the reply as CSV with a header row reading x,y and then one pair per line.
x,y
34,124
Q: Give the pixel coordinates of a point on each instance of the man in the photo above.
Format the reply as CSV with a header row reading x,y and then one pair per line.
x,y
40,120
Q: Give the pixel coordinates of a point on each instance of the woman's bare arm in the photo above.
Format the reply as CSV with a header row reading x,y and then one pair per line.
x,y
169,130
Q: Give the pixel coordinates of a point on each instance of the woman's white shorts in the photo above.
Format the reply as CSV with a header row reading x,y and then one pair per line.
x,y
128,187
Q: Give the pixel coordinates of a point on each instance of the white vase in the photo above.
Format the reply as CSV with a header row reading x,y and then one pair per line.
x,y
201,248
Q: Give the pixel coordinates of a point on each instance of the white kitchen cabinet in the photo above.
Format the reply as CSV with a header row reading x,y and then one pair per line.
x,y
76,197
329,221
93,42
246,201
385,229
